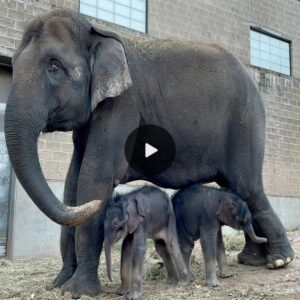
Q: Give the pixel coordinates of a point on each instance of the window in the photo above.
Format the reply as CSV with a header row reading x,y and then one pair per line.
x,y
128,13
270,52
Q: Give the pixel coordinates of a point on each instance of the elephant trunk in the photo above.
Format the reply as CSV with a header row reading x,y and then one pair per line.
x,y
250,231
22,128
107,247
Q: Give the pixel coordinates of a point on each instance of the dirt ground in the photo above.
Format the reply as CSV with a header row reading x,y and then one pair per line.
x,y
28,279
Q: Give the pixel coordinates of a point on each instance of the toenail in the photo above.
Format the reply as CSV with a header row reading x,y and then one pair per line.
x,y
279,263
288,260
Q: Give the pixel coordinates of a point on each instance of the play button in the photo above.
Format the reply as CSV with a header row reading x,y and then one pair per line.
x,y
150,150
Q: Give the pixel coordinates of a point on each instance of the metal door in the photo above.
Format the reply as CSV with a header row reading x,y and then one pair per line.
x,y
5,168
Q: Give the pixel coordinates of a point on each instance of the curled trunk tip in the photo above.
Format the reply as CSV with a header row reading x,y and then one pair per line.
x,y
81,213
250,231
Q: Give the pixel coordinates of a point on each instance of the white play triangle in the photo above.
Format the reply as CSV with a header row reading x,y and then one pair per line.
x,y
149,150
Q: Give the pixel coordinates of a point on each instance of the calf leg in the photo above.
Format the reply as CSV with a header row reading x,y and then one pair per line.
x,y
161,248
126,260
175,253
209,242
138,254
221,257
186,245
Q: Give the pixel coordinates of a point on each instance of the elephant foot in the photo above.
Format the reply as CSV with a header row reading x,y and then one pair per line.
x,y
64,275
185,279
134,295
184,282
82,283
252,256
172,280
122,290
135,291
279,255
212,282
225,274
276,255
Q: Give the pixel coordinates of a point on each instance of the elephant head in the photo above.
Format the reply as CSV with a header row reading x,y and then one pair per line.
x,y
123,217
63,68
235,213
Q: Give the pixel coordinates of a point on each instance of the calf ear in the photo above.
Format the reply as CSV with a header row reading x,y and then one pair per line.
x,y
225,211
109,68
137,213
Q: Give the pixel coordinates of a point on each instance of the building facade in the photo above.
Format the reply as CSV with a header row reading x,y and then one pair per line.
x,y
263,34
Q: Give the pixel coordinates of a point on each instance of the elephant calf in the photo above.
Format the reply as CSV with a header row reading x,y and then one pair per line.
x,y
146,212
200,212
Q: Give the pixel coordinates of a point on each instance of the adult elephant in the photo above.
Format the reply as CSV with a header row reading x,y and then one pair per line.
x,y
69,75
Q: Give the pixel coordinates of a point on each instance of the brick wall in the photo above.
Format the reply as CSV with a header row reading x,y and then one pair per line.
x,y
281,95
221,21
227,22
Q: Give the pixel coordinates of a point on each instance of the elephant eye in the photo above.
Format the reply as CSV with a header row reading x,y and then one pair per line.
x,y
115,224
53,66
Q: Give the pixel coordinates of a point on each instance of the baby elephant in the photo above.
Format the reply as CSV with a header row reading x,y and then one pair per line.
x,y
200,212
146,212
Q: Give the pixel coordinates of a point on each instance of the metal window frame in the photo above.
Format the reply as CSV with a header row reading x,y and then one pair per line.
x,y
146,17
280,38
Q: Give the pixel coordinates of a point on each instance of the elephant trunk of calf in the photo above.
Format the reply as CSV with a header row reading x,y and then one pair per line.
x,y
107,247
250,231
22,128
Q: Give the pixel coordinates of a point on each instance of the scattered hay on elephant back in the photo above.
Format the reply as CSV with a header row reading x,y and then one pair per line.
x,y
152,46
28,279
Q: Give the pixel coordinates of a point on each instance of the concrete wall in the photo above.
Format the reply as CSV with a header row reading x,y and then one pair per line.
x,y
31,233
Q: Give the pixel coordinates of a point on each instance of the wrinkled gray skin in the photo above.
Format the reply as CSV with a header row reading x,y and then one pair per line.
x,y
200,212
141,214
69,75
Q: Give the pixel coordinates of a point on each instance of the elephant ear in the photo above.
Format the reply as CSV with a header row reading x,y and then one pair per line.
x,y
110,73
226,211
137,213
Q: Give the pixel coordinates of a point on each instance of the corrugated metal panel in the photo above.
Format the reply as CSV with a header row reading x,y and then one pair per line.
x,y
2,247
5,168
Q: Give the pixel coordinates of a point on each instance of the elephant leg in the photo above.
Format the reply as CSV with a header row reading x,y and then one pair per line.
x,y
277,252
245,179
67,249
221,257
126,261
67,237
161,249
243,173
89,236
209,248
